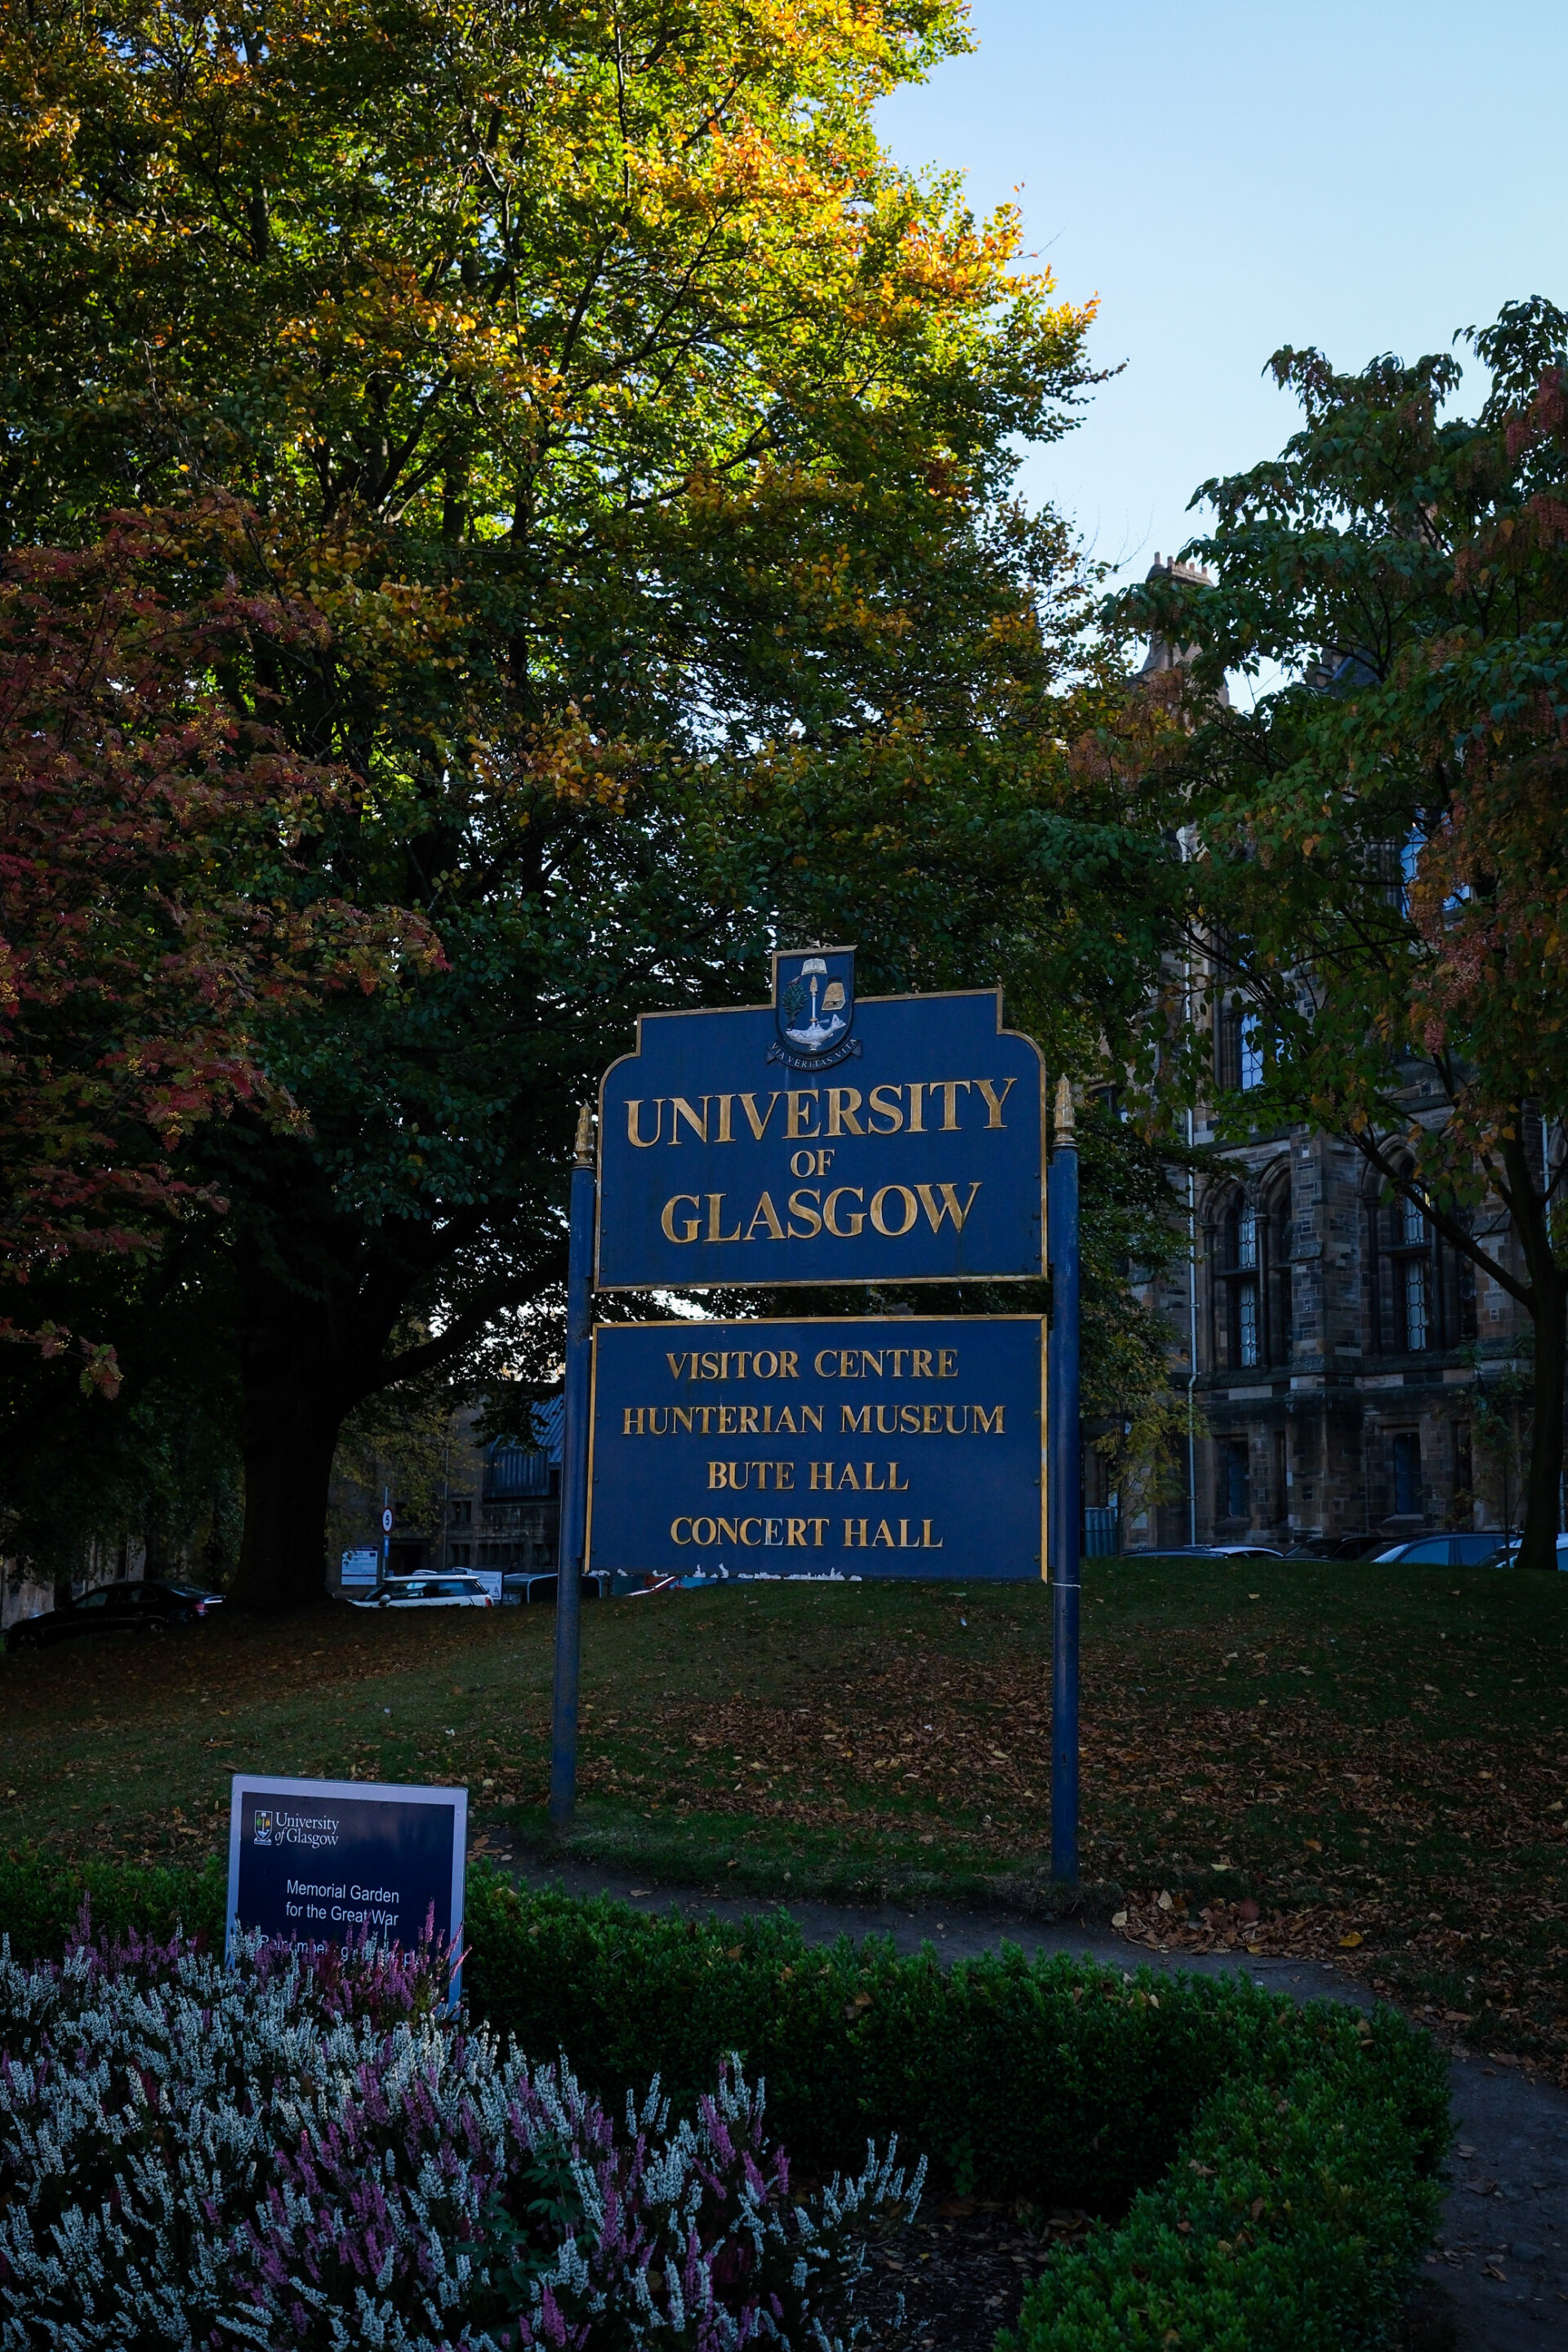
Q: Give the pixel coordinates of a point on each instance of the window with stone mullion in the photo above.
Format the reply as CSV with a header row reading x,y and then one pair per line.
x,y
1241,1274
1411,1254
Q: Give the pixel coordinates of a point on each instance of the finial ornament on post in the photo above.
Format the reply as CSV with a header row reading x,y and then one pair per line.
x,y
584,1150
1066,1126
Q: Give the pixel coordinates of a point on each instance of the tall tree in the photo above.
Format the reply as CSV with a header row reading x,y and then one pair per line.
x,y
1380,842
644,438
155,908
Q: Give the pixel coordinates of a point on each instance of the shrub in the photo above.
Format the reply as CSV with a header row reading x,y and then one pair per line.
x,y
1266,2174
1056,2080
303,2152
40,1902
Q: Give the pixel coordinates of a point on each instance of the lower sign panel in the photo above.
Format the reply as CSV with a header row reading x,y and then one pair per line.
x,y
881,1446
329,1861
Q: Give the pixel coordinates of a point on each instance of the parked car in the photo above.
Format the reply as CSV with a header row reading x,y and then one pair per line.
x,y
144,1607
426,1592
1361,1547
522,1588
1212,1551
1446,1551
1506,1551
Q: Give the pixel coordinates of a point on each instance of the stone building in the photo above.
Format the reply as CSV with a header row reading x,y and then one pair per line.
x,y
1332,1347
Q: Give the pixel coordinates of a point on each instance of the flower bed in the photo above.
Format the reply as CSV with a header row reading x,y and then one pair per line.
x,y
302,2153
1267,2175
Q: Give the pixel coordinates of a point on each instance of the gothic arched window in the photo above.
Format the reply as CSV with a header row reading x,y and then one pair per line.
x,y
1411,1256
1239,1272
1281,1251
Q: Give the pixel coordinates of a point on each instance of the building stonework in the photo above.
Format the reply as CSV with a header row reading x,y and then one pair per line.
x,y
1338,1347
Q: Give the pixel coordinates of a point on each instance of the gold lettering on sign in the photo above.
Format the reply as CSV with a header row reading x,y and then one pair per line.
x,y
679,1108
803,1205
767,1214
994,1101
759,1127
920,1420
715,1203
886,1110
949,1205
909,1214
885,1105
846,1232
669,1221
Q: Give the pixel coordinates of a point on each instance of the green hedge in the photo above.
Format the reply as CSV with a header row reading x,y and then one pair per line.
x,y
40,1902
1267,2173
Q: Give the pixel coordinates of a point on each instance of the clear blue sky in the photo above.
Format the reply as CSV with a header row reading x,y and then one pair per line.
x,y
1230,177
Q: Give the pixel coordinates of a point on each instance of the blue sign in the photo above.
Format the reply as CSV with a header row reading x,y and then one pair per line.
x,y
825,1138
885,1445
322,1862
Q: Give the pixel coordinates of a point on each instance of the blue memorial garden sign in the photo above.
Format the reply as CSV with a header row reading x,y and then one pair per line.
x,y
826,1137
881,1446
325,1862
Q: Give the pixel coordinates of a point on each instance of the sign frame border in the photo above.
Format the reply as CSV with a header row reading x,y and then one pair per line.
x,y
813,1282
831,1322
455,1795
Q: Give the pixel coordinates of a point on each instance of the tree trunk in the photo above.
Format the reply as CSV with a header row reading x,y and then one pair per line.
x,y
1548,1302
1538,1546
293,1399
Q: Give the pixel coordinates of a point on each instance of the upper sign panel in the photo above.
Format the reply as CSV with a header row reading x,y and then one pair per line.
x,y
823,1139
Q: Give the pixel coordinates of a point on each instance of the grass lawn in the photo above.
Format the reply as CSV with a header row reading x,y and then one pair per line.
x,y
1356,1763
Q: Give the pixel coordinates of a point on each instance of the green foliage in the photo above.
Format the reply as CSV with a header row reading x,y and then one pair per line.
x,y
80,1475
1130,1232
1295,2213
636,443
1298,2148
41,1901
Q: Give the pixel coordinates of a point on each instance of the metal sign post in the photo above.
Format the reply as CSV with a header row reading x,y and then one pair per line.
x,y
573,1477
1062,1486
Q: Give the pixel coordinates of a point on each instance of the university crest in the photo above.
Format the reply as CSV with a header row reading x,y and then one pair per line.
x,y
814,1009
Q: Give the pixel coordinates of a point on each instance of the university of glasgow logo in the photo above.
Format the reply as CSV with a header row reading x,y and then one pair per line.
x,y
261,1829
814,1008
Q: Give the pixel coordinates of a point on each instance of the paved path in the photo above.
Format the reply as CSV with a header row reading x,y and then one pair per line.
x,y
1496,2280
